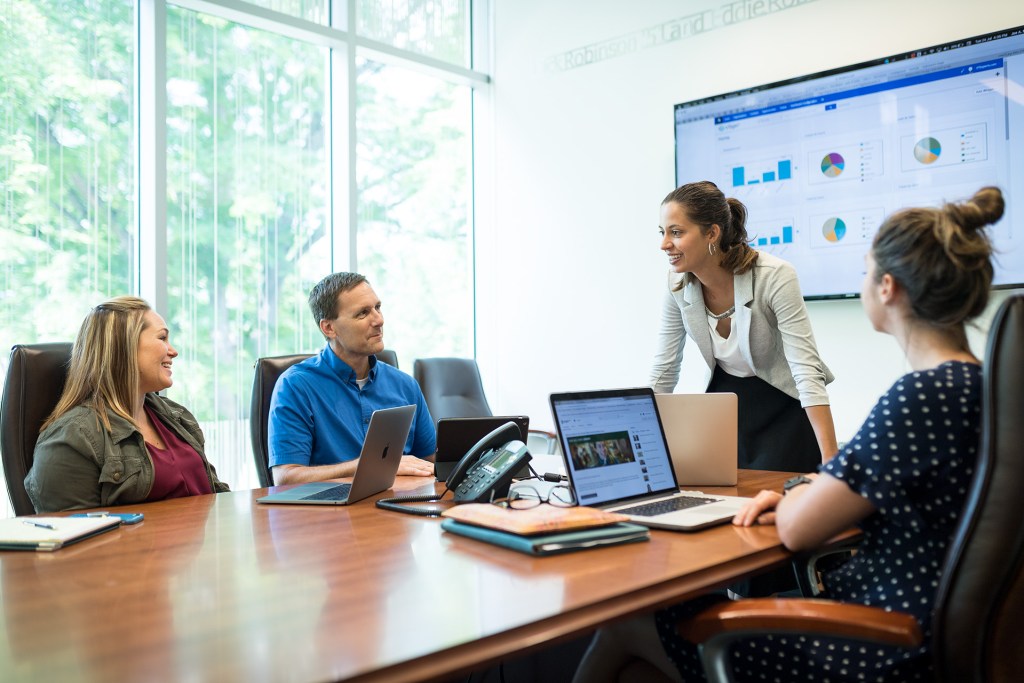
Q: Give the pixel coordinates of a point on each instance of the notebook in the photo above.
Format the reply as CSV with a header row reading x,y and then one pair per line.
x,y
617,459
375,472
51,533
702,431
456,435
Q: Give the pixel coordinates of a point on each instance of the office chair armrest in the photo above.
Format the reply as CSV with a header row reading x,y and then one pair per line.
x,y
805,565
715,628
821,617
544,440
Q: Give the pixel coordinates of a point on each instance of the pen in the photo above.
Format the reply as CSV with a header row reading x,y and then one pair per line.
x,y
40,525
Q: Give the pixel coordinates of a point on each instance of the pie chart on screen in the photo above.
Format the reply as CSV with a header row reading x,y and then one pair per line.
x,y
833,164
834,229
927,150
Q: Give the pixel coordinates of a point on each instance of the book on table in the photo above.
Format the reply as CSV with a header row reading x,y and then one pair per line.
x,y
542,530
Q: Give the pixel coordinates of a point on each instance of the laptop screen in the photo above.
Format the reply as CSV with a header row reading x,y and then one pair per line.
x,y
613,444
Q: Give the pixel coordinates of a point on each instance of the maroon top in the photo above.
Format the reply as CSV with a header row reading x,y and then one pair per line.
x,y
179,471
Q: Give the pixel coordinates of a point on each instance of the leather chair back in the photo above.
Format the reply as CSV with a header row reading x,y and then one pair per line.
x,y
979,613
35,382
451,387
267,372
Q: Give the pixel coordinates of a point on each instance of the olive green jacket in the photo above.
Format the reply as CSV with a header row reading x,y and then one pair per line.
x,y
78,464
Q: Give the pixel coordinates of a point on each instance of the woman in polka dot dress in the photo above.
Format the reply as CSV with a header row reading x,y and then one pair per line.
x,y
902,479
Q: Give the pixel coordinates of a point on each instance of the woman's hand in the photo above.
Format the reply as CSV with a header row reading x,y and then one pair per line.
x,y
760,509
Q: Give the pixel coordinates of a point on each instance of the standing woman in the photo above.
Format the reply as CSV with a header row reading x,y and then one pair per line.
x,y
112,440
744,311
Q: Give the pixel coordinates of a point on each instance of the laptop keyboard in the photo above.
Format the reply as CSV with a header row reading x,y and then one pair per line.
x,y
662,507
339,492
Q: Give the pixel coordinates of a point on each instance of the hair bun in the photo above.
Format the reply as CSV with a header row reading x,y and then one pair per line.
x,y
984,208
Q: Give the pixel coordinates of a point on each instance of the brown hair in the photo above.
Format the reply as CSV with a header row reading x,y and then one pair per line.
x,y
323,300
706,205
942,258
104,369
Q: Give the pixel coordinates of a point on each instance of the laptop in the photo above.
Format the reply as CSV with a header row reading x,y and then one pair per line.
x,y
375,472
702,431
617,459
456,435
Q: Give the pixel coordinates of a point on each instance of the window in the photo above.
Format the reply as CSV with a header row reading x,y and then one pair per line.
x,y
414,203
67,233
247,229
434,28
277,173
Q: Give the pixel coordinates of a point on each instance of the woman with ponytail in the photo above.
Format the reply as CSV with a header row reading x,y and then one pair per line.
x,y
903,479
744,311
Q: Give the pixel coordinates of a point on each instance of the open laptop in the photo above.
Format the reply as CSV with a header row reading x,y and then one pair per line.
x,y
617,459
456,435
702,431
375,472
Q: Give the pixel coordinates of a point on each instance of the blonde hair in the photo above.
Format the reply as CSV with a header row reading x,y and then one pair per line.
x,y
104,369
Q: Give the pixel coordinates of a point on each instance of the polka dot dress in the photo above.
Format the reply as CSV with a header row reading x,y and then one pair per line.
x,y
913,459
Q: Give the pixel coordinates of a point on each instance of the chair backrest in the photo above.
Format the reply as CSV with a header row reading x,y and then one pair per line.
x,y
979,613
389,357
452,387
35,381
267,372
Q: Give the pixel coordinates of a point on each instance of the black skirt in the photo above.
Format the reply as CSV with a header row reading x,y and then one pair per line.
x,y
774,432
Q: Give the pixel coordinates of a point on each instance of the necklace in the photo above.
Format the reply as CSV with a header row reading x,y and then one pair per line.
x,y
718,316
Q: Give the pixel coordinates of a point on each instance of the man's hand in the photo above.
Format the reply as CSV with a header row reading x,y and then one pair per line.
x,y
415,467
760,509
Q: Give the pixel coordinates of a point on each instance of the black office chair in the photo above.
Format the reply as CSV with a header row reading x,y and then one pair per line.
x,y
979,610
266,373
35,382
452,388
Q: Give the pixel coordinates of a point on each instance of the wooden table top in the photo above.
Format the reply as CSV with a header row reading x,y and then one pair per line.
x,y
220,588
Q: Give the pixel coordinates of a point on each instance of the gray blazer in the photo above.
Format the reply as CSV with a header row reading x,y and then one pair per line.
x,y
771,320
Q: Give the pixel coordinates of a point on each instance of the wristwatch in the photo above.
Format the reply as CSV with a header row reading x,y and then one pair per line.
x,y
794,482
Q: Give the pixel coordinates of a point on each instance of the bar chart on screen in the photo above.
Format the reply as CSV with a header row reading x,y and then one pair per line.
x,y
763,172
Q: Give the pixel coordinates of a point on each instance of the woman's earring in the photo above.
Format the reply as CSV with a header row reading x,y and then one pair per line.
x,y
711,249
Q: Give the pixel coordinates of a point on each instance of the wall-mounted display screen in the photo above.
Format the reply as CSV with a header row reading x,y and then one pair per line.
x,y
820,160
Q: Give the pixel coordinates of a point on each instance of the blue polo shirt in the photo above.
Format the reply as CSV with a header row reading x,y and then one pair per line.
x,y
319,416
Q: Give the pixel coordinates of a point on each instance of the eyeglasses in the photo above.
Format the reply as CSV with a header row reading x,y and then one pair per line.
x,y
526,497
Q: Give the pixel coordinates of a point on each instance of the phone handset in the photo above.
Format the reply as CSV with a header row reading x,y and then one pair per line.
x,y
485,472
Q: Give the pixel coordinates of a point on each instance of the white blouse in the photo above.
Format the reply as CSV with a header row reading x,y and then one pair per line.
x,y
727,351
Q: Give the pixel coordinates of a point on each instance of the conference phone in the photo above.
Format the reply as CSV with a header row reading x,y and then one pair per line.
x,y
482,475
485,472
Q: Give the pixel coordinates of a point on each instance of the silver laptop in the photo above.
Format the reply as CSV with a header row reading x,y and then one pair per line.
x,y
375,471
617,459
702,431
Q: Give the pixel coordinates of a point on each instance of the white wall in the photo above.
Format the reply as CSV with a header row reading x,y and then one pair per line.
x,y
570,275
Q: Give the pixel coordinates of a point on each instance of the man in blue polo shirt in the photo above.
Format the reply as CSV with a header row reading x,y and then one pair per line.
x,y
321,407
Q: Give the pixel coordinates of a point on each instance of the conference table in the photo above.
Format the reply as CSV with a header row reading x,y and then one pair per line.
x,y
222,588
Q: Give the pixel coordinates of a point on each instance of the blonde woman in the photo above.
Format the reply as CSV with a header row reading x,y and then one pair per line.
x,y
112,440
